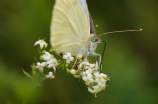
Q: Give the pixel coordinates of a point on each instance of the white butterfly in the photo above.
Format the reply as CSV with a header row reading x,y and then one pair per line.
x,y
72,29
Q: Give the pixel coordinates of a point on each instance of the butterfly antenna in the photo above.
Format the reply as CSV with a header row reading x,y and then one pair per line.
x,y
96,26
121,31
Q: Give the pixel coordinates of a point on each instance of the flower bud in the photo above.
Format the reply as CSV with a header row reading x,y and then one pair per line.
x,y
43,51
73,71
41,58
68,71
94,62
76,65
79,56
66,65
51,50
62,53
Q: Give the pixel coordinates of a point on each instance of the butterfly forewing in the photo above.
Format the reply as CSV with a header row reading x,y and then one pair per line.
x,y
70,25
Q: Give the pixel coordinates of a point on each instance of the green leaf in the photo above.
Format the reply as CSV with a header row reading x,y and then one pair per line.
x,y
33,66
33,69
35,59
27,74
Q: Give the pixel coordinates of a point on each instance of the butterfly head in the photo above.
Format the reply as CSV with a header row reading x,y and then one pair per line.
x,y
95,39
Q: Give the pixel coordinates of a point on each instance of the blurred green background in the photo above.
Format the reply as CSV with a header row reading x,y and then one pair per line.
x,y
131,59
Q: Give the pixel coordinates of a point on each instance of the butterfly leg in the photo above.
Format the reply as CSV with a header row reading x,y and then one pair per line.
x,y
78,51
74,63
100,66
87,55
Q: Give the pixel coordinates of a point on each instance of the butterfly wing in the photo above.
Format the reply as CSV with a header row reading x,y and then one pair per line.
x,y
69,26
84,5
92,28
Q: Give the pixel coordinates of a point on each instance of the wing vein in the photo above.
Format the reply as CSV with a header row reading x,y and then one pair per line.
x,y
66,17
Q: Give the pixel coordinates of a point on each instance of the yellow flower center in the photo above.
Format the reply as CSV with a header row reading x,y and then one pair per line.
x,y
68,57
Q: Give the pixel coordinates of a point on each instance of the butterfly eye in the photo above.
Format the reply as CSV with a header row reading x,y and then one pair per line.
x,y
93,39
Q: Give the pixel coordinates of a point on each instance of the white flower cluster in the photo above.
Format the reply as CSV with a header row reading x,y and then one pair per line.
x,y
49,60
90,74
93,79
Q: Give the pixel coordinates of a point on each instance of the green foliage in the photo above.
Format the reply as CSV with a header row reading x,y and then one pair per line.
x,y
27,74
33,70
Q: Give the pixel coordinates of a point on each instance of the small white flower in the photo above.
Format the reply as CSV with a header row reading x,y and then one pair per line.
x,y
96,88
50,75
92,90
41,42
52,63
104,86
80,66
68,58
88,66
47,56
101,86
85,63
86,73
40,66
95,69
88,79
98,78
104,76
